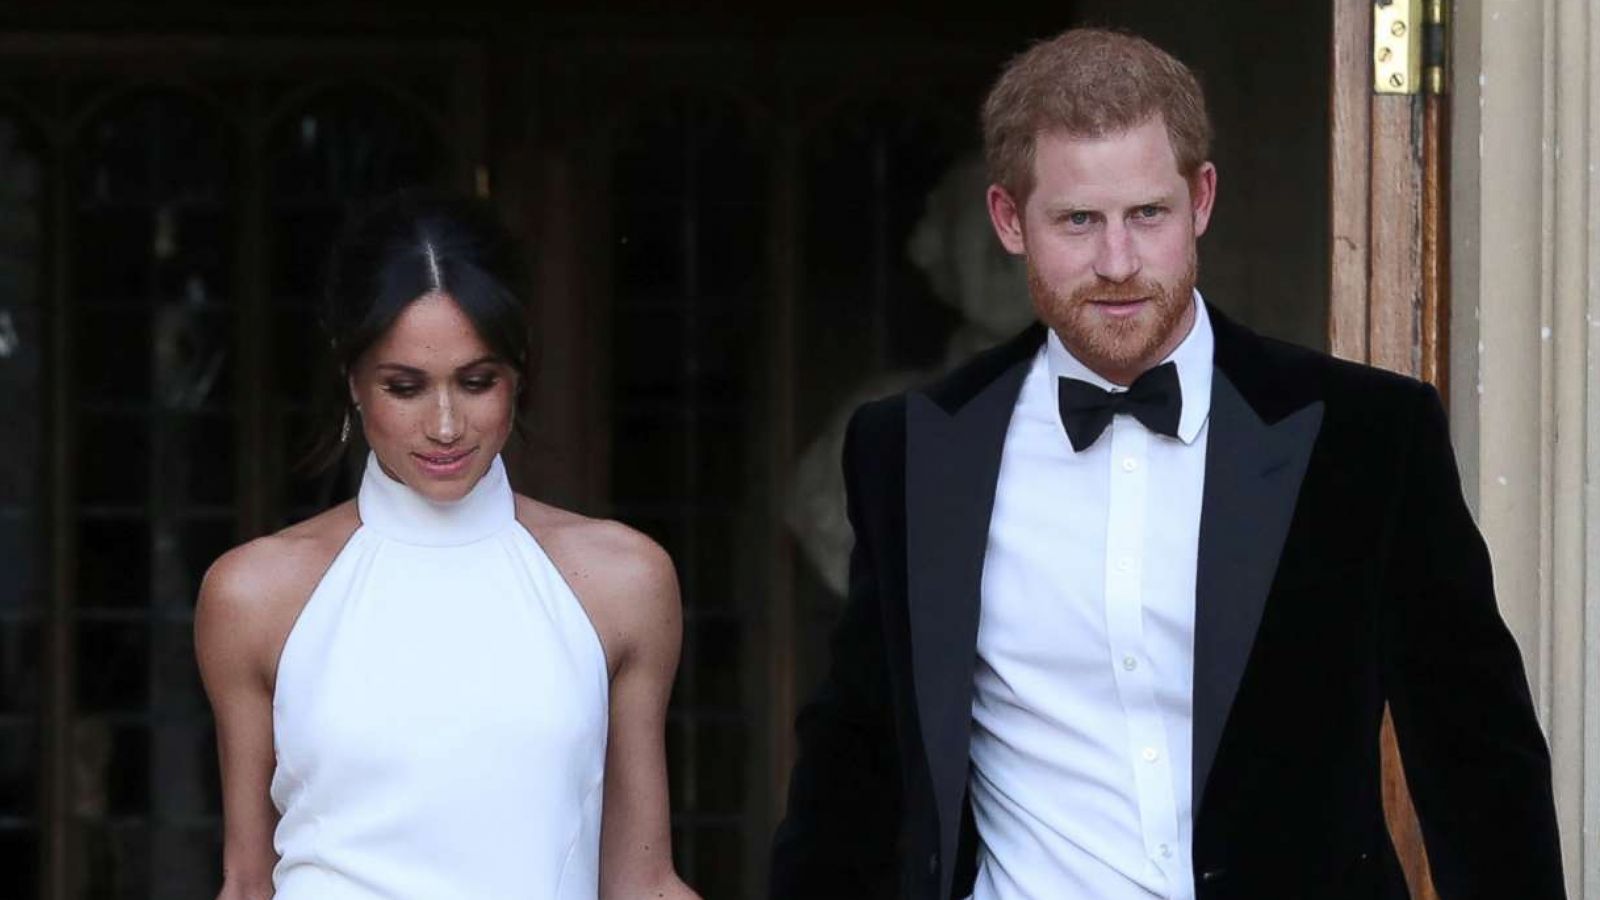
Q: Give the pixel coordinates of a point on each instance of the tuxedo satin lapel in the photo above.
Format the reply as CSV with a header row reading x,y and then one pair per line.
x,y
1253,475
952,466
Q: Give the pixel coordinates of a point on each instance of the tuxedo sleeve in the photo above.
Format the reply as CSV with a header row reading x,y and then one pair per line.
x,y
1474,756
838,835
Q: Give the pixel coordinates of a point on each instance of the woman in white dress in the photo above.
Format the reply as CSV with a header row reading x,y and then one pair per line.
x,y
439,690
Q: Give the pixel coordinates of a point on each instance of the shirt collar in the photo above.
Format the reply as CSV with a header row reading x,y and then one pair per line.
x,y
1193,357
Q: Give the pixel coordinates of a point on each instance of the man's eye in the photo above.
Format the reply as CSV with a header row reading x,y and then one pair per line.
x,y
1079,218
1148,212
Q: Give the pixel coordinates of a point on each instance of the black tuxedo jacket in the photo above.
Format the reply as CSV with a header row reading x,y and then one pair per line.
x,y
1338,569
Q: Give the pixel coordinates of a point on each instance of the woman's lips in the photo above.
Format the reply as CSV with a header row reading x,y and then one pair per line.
x,y
443,465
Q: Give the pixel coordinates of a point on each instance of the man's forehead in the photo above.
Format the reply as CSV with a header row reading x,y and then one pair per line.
x,y
1076,190
1137,161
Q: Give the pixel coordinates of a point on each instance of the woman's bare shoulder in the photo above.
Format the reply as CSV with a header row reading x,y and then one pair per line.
x,y
598,549
256,586
624,579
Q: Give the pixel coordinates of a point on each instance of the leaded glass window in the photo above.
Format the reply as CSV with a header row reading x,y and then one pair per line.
x,y
24,575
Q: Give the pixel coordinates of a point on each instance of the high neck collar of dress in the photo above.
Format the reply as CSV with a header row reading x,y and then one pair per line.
x,y
400,513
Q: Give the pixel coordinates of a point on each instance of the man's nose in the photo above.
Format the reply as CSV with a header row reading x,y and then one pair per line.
x,y
1118,258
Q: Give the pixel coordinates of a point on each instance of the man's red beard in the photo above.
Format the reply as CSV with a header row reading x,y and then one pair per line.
x,y
1117,346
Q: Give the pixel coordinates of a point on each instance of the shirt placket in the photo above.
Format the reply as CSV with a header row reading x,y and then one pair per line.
x,y
1131,669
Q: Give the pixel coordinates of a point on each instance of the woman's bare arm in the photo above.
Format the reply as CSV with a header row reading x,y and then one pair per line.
x,y
627,585
248,604
231,621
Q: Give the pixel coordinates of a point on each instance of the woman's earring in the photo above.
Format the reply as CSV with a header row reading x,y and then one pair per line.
x,y
344,430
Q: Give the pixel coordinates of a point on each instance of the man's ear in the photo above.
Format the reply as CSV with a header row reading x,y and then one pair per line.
x,y
1006,217
1202,196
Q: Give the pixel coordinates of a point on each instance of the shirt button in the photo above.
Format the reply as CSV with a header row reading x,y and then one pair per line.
x,y
1130,663
1125,564
1150,755
1129,464
1166,851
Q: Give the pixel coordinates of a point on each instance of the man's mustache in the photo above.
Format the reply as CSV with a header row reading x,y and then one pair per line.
x,y
1114,292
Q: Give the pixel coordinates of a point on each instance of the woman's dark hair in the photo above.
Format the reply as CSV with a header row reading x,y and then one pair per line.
x,y
395,251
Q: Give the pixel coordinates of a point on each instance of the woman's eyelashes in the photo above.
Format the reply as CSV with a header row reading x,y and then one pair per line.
x,y
472,383
403,389
479,383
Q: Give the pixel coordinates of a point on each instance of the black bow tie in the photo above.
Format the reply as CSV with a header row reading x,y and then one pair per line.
x,y
1155,399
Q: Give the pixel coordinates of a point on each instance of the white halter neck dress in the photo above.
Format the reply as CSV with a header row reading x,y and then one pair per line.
x,y
440,712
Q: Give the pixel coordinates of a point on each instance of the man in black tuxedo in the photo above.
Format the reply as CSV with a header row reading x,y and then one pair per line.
x,y
1130,592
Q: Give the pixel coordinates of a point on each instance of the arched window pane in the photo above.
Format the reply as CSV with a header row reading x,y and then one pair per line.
x,y
150,186
153,320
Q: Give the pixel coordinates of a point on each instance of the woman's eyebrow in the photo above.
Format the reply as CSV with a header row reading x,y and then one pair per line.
x,y
402,368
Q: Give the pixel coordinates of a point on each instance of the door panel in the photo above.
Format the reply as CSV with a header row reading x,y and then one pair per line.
x,y
1389,302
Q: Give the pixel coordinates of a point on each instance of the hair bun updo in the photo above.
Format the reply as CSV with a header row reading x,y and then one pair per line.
x,y
397,250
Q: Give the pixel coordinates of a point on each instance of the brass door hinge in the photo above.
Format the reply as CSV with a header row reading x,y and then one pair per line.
x,y
1409,46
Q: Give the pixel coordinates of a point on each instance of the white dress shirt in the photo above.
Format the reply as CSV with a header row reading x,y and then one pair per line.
x,y
1083,694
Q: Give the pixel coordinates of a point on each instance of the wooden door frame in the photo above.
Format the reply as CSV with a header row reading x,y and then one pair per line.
x,y
1389,291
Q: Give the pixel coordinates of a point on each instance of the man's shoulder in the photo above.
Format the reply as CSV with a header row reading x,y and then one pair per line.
x,y
883,419
1336,369
878,423
1283,376
971,377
